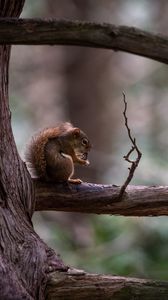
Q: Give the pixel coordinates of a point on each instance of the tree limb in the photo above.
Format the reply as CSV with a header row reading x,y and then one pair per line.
x,y
93,286
107,36
102,199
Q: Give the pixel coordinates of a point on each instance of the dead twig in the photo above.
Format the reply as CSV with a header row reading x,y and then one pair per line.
x,y
134,163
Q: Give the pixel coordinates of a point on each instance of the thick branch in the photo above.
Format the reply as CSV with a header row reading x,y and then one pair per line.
x,y
107,36
92,286
102,199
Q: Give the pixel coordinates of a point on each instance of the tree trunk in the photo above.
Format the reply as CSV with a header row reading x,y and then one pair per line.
x,y
25,260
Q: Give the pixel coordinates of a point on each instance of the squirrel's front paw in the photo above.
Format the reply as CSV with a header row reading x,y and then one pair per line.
x,y
75,181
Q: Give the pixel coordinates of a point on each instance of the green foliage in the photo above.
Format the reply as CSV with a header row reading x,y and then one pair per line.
x,y
120,245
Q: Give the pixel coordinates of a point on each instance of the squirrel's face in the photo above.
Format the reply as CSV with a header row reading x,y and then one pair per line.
x,y
81,146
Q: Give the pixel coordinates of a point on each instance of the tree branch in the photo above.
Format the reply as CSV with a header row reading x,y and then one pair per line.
x,y
102,199
134,163
107,36
93,286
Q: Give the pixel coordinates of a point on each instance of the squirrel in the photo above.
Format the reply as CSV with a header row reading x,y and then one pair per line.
x,y
52,153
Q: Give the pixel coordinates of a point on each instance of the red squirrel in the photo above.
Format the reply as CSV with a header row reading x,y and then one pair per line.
x,y
52,153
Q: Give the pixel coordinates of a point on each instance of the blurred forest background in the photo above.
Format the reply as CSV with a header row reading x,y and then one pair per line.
x,y
84,86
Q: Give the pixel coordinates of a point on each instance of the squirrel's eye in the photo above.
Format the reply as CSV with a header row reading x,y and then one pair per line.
x,y
85,142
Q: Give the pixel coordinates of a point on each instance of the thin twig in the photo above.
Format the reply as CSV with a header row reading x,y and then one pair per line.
x,y
134,163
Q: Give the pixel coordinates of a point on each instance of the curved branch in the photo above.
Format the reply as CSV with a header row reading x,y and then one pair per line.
x,y
93,286
102,199
107,36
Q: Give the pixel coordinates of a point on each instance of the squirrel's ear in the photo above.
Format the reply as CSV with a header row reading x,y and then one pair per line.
x,y
76,132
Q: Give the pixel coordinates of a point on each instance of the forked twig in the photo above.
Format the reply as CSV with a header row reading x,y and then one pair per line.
x,y
134,163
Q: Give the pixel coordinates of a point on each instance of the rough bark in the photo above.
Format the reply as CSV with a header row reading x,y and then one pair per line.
x,y
102,199
24,258
107,36
93,286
